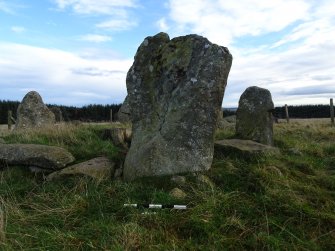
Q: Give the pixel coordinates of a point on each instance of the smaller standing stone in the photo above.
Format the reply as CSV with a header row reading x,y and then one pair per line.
x,y
33,113
254,116
123,114
58,113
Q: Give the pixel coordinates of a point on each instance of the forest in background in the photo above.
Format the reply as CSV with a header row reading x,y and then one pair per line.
x,y
99,113
89,113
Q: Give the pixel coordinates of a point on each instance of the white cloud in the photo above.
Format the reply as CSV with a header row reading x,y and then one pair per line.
x,y
224,20
60,74
18,29
118,11
300,59
5,7
96,6
95,38
121,24
162,25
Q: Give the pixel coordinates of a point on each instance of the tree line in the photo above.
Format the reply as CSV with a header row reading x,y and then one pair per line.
x,y
303,111
89,113
298,111
97,113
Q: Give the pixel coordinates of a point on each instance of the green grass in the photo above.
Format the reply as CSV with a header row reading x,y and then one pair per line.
x,y
284,202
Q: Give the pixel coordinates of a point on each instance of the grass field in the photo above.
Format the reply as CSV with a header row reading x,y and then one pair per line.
x,y
285,202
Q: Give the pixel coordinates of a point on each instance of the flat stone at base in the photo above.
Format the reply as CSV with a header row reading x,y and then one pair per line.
x,y
244,146
42,156
100,168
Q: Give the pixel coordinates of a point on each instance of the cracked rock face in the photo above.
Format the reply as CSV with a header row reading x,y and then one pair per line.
x,y
254,116
175,90
33,113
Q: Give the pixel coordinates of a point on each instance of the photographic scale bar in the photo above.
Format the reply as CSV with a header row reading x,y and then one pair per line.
x,y
157,206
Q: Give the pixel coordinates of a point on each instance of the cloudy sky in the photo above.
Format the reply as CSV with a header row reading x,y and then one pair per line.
x,y
77,52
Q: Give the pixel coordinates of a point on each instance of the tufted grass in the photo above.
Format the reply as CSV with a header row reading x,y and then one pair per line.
x,y
268,203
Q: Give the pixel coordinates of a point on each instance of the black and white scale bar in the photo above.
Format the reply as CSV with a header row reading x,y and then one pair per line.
x,y
159,206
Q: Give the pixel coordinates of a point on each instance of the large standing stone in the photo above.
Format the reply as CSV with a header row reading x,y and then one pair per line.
x,y
175,90
33,113
254,116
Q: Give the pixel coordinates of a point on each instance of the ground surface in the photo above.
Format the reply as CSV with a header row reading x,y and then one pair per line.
x,y
283,202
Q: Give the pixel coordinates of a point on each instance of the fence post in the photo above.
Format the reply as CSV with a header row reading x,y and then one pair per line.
x,y
331,112
286,112
111,116
9,119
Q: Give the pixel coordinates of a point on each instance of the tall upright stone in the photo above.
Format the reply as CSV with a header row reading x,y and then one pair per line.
x,y
33,113
175,90
254,116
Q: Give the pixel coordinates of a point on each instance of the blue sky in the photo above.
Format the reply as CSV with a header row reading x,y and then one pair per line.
x,y
77,52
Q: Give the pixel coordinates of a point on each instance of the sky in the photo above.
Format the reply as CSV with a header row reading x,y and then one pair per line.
x,y
78,52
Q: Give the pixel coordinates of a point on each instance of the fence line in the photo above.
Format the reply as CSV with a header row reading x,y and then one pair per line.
x,y
331,112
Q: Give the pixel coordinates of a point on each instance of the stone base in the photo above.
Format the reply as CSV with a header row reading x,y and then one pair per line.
x,y
245,147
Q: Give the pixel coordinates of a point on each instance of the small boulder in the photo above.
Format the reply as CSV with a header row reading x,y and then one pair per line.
x,y
33,113
244,147
178,180
118,173
41,156
204,180
100,168
177,193
254,116
295,151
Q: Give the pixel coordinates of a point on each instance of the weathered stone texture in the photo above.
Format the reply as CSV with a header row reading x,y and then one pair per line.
x,y
254,116
175,90
33,113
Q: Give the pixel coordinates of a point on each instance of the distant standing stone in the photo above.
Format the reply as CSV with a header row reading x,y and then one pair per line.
x,y
254,116
33,113
123,114
175,90
58,113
